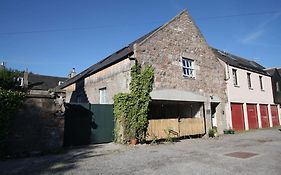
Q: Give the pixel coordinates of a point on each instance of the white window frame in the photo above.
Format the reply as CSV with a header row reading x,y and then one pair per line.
x,y
235,77
188,67
103,95
249,80
261,83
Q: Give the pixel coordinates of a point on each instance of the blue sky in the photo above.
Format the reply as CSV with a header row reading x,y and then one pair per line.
x,y
51,37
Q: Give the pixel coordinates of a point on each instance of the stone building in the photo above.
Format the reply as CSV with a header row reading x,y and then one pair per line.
x,y
189,87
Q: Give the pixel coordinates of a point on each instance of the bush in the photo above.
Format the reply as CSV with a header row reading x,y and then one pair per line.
x,y
9,103
212,132
10,99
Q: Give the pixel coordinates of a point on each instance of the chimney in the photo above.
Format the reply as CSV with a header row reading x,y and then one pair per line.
x,y
2,66
72,73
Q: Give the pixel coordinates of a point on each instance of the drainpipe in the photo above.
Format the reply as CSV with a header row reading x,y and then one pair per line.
x,y
227,76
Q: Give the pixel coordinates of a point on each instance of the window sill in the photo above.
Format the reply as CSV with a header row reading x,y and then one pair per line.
x,y
187,77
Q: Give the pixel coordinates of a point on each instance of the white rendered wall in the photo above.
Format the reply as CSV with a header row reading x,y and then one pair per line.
x,y
242,93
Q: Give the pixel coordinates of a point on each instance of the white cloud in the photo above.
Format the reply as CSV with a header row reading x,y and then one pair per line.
x,y
260,30
253,36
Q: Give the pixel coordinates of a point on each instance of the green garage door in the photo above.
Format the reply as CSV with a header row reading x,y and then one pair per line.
x,y
102,123
88,123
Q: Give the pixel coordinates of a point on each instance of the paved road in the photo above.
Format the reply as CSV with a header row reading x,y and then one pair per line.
x,y
190,156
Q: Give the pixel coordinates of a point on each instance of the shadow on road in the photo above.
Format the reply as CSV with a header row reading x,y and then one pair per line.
x,y
51,164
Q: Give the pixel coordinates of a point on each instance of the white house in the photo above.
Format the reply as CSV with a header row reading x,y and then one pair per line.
x,y
249,92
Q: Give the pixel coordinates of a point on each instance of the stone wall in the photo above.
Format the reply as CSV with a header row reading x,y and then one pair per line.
x,y
164,51
36,127
115,79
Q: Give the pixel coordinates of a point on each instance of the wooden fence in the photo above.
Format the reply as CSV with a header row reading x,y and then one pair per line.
x,y
188,126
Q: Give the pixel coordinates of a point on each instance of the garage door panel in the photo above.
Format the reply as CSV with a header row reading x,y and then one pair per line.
x,y
237,116
264,116
252,116
274,114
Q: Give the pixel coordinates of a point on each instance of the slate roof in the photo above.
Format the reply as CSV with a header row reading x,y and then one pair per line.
x,y
106,62
279,70
240,62
43,82
273,71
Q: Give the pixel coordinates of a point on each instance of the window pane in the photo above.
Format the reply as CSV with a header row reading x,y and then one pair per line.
x,y
261,83
234,73
189,64
184,63
103,96
249,80
190,72
185,72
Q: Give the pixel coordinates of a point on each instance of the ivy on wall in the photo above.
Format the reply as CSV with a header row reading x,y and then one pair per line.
x,y
131,109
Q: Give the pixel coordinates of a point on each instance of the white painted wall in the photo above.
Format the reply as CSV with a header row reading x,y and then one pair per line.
x,y
242,93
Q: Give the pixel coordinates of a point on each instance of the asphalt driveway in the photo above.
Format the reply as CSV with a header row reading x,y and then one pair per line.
x,y
254,152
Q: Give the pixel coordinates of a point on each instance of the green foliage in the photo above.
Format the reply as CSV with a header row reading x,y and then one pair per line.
x,y
10,100
154,140
212,132
8,79
168,132
130,109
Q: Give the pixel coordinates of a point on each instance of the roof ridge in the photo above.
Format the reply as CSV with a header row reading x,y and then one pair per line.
x,y
31,73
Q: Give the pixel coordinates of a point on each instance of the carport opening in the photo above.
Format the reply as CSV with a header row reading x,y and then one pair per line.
x,y
175,119
160,109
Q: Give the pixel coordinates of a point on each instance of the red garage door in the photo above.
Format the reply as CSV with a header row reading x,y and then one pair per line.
x,y
237,116
274,114
252,116
264,116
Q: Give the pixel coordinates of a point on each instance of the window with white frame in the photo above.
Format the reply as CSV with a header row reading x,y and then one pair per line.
x,y
249,80
188,67
103,96
261,83
234,76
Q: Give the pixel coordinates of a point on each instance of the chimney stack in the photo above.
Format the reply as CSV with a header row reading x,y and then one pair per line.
x,y
72,73
2,66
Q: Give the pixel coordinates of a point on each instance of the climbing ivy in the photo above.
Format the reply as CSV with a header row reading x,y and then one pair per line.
x,y
131,109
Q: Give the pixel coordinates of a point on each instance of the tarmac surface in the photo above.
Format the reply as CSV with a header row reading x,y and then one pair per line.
x,y
253,152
